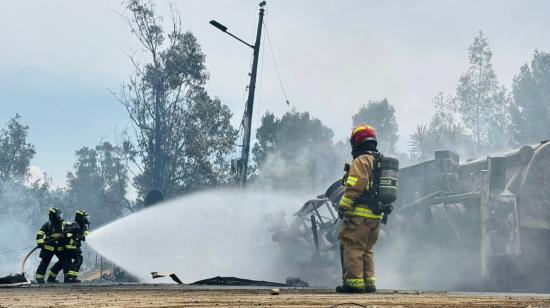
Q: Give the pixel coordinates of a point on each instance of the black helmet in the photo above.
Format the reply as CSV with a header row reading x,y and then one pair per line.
x,y
81,218
55,215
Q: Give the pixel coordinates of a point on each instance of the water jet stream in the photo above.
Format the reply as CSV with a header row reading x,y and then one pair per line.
x,y
199,236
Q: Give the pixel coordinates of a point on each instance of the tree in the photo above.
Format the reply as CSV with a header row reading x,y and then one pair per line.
x,y
295,152
181,133
421,143
530,108
209,138
98,183
444,132
15,152
380,115
23,205
481,101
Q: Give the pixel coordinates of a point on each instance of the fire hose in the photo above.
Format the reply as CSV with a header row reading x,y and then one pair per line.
x,y
30,253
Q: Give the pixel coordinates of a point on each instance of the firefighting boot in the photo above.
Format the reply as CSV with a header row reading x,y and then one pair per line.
x,y
348,289
39,278
370,288
71,280
51,277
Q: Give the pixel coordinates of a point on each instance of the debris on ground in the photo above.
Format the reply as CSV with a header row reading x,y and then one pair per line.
x,y
174,277
234,281
13,281
295,282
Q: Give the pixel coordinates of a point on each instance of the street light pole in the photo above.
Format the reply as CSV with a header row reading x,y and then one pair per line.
x,y
247,120
250,103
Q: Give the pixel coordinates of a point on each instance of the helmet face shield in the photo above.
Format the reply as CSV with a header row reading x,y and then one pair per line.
x,y
81,218
55,215
84,221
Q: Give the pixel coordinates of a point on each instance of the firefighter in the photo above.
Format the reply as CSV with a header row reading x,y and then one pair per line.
x,y
360,225
49,239
71,257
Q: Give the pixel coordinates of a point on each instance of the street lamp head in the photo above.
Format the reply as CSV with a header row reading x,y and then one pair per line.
x,y
218,25
262,4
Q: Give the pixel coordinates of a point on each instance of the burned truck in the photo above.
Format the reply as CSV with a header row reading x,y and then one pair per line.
x,y
477,225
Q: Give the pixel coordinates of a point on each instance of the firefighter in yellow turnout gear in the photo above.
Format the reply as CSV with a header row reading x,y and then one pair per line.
x,y
360,226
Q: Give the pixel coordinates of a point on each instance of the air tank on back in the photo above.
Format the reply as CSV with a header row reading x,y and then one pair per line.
x,y
389,174
387,192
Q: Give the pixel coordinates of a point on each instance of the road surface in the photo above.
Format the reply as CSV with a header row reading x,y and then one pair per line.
x,y
165,295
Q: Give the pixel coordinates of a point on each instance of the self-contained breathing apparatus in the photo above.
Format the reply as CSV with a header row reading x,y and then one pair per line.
x,y
383,187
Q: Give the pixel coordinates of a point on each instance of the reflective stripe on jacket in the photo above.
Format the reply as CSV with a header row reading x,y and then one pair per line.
x,y
358,181
49,236
73,236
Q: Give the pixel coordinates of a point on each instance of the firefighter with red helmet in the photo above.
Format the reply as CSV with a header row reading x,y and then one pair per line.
x,y
360,225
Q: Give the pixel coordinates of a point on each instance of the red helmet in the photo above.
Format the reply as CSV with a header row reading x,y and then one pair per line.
x,y
362,133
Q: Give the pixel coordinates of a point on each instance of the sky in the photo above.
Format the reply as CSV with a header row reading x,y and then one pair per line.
x,y
59,60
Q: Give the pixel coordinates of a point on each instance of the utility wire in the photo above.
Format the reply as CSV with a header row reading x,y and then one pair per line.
x,y
276,66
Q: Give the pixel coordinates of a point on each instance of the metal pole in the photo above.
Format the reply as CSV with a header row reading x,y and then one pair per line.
x,y
315,234
247,121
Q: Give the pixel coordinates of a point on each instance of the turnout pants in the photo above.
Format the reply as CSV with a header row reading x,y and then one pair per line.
x,y
357,238
45,259
70,262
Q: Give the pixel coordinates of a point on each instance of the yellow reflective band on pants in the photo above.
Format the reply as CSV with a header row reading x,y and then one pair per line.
x,y
52,274
362,212
370,281
72,273
40,241
56,235
48,247
351,181
357,283
70,247
38,276
41,232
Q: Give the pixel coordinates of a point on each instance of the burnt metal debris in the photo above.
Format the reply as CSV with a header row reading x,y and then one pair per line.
x,y
13,281
485,221
234,281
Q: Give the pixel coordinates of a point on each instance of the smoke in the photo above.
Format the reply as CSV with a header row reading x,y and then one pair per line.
x,y
207,234
18,224
304,170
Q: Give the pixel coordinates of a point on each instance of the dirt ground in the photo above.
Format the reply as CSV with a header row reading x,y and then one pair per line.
x,y
177,296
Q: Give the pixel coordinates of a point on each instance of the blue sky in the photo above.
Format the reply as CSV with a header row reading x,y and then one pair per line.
x,y
59,58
